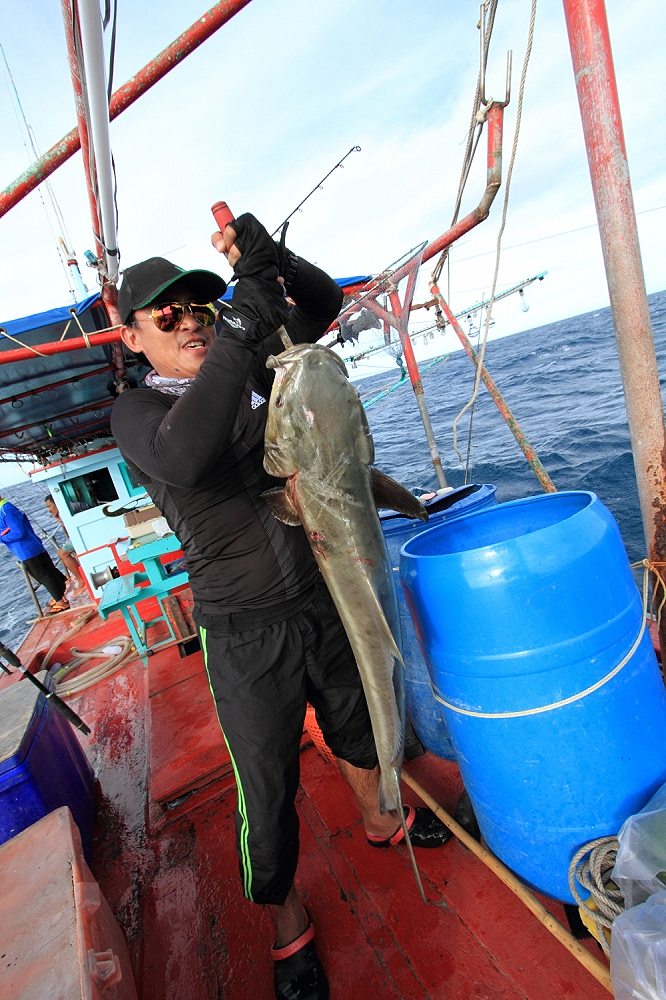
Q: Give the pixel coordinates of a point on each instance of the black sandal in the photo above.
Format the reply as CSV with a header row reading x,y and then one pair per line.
x,y
298,972
424,829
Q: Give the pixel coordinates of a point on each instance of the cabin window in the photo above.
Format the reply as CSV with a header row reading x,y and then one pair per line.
x,y
132,484
86,492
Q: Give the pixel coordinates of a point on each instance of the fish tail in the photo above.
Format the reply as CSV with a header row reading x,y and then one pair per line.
x,y
395,787
415,867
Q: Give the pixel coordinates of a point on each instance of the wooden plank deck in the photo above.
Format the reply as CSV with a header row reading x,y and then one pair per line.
x,y
175,889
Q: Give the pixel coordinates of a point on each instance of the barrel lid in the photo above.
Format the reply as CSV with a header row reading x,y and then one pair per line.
x,y
453,501
20,703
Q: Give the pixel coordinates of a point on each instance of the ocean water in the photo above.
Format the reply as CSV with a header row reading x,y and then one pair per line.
x,y
562,382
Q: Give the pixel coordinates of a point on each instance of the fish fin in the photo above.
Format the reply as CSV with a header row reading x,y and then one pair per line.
x,y
281,505
392,495
389,791
384,629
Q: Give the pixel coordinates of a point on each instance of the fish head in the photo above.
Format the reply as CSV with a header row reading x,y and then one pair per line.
x,y
313,408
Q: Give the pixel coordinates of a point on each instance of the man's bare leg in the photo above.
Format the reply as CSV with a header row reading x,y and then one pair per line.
x,y
290,919
73,568
365,786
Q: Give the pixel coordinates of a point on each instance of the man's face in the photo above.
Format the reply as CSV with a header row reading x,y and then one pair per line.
x,y
178,353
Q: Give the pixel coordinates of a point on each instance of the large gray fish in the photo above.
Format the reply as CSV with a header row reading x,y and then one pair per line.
x,y
318,439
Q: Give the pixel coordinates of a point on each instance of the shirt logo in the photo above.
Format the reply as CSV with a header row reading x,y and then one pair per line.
x,y
256,400
233,321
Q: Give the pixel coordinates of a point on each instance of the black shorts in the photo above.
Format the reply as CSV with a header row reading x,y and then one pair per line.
x,y
42,569
261,679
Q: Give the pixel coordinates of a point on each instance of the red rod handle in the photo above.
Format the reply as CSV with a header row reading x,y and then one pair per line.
x,y
222,214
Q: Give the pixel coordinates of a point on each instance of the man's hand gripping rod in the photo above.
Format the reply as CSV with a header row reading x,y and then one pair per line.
x,y
224,217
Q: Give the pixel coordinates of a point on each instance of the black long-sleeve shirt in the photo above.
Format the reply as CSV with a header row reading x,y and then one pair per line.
x,y
200,457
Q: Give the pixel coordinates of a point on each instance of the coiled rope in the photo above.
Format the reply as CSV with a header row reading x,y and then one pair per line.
x,y
592,866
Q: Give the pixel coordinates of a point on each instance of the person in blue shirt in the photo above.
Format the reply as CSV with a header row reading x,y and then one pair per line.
x,y
18,535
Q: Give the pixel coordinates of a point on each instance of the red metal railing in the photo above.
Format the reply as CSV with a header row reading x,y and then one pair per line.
x,y
51,386
398,313
59,346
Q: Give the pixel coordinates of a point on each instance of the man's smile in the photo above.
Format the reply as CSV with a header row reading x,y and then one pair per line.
x,y
196,342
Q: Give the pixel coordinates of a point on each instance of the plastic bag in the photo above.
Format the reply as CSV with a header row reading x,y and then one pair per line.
x,y
638,951
160,527
640,866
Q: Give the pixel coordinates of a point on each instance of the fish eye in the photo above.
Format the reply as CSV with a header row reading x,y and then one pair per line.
x,y
278,401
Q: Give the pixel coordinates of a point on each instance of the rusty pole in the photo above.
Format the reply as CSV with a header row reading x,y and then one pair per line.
x,y
130,91
528,451
609,171
109,293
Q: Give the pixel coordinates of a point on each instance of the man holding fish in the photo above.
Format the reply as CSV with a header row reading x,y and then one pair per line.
x,y
271,634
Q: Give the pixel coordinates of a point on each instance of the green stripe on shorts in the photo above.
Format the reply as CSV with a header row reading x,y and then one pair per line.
x,y
246,861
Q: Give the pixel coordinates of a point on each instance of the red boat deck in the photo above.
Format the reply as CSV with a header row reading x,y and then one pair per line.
x,y
165,859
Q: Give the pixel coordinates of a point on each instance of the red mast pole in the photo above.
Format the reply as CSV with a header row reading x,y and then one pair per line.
x,y
609,171
153,71
109,293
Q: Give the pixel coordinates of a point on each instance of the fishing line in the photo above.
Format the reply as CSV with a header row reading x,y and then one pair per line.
x,y
317,187
476,126
22,120
468,461
505,207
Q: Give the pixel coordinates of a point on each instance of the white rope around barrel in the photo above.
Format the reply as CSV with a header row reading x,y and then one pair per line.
x,y
572,698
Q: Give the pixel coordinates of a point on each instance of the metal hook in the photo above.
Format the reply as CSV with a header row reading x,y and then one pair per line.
x,y
484,58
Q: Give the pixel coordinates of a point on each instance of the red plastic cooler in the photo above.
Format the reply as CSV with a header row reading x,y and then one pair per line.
x,y
59,936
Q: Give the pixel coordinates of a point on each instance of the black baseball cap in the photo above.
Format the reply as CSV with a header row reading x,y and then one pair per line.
x,y
145,282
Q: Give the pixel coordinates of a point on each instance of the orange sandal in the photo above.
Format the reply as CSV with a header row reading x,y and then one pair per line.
x,y
55,607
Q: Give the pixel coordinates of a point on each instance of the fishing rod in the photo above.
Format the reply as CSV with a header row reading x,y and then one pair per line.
x,y
45,535
469,311
58,703
43,532
317,187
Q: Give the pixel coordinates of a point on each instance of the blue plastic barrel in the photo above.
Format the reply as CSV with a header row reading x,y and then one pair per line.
x,y
532,627
425,712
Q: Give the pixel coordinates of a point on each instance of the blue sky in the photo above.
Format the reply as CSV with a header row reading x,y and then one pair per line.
x,y
261,111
